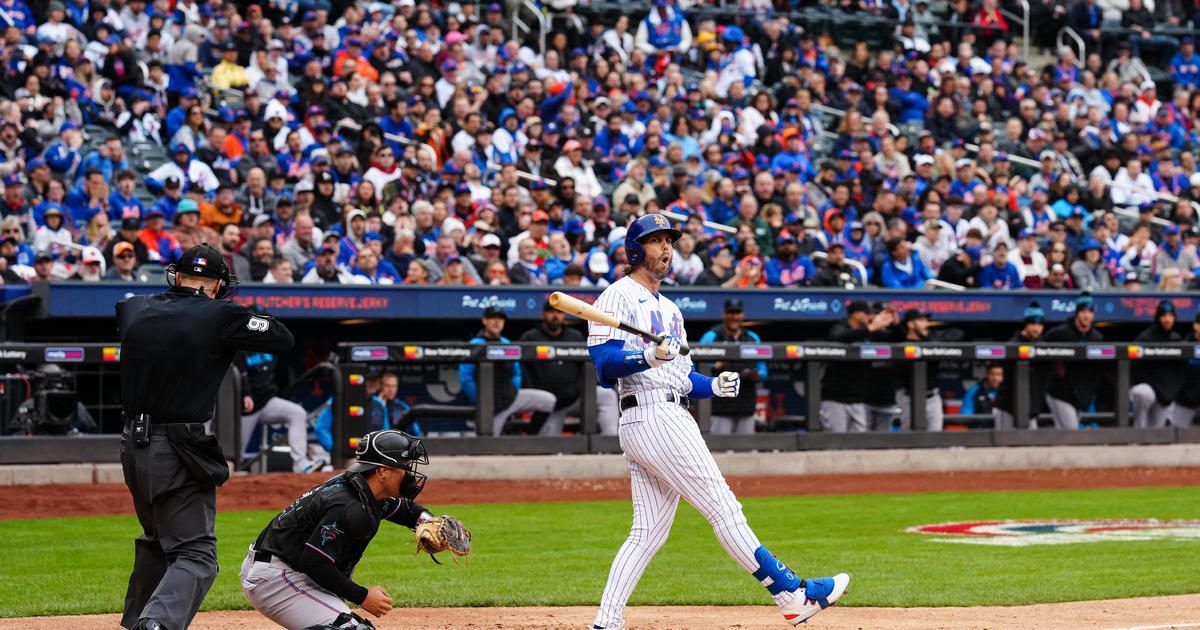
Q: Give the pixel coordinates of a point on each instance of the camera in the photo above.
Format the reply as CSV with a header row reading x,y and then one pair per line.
x,y
53,407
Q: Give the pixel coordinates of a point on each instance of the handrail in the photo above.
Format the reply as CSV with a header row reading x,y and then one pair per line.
x,y
862,269
941,284
1061,41
543,24
536,178
675,216
395,138
1025,29
820,107
519,24
1153,193
1121,211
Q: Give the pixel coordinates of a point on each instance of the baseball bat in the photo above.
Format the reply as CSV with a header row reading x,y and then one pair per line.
x,y
583,310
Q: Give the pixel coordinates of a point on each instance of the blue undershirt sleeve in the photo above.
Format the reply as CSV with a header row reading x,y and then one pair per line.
x,y
613,362
701,385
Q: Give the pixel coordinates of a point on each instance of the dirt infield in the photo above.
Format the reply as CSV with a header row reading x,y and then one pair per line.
x,y
1177,611
274,491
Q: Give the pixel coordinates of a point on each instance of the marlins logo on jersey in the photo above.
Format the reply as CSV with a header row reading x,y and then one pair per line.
x,y
633,303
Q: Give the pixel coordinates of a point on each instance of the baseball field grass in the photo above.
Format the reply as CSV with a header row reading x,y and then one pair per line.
x,y
559,553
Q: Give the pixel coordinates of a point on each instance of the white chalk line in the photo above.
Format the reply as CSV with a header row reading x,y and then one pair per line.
x,y
1170,625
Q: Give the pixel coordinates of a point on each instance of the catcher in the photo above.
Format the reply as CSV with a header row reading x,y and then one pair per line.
x,y
298,572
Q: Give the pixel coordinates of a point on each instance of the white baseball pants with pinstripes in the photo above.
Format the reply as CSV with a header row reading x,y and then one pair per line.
x,y
668,459
287,596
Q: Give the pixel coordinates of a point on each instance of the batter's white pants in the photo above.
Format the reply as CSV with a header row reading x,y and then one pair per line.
x,y
606,414
1147,412
731,424
668,459
934,415
1066,416
1181,416
839,417
287,596
280,411
527,400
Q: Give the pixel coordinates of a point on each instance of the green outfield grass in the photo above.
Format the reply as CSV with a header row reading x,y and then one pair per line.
x,y
559,553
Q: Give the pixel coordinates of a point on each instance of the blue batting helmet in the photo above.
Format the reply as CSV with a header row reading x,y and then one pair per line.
x,y
642,228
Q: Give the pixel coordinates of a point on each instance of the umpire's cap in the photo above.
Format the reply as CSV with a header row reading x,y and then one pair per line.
x,y
203,260
389,447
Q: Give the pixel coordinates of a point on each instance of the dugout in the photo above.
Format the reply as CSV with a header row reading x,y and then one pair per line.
x,y
797,428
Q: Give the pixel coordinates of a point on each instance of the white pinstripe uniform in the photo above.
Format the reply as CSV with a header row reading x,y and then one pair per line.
x,y
668,458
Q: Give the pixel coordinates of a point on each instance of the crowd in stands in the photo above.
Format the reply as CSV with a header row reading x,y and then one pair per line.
x,y
420,143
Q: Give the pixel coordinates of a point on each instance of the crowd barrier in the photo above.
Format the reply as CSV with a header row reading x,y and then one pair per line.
x,y
695,303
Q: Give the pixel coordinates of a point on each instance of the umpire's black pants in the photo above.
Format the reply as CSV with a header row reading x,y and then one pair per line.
x,y
175,558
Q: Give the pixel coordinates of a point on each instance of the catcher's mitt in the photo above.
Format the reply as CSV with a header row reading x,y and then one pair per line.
x,y
443,533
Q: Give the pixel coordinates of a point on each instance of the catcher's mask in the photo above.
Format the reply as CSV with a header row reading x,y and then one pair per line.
x,y
394,449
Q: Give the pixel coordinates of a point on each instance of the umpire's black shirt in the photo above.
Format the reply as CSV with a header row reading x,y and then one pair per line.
x,y
176,347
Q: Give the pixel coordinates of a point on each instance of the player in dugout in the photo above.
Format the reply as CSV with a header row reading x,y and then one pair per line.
x,y
1033,324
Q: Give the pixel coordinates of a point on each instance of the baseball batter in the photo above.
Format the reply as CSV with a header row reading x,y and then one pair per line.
x,y
667,457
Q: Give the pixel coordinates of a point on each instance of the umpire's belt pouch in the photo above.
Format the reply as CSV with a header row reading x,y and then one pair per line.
x,y
199,452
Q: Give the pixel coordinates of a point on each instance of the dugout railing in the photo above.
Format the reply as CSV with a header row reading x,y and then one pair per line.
x,y
361,359
100,362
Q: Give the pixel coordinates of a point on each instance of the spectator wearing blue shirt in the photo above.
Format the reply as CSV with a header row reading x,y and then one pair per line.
x,y
509,397
1001,274
108,158
122,202
909,104
1185,65
368,266
902,270
788,268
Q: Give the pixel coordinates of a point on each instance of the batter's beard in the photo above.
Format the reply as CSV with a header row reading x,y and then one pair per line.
x,y
652,267
659,274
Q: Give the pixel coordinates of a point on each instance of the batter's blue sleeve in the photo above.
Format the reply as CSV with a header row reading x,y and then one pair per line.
x,y
516,377
701,385
612,362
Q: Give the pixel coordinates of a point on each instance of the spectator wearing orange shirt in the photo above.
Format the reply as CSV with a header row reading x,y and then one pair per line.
x,y
752,275
160,245
353,50
237,141
223,210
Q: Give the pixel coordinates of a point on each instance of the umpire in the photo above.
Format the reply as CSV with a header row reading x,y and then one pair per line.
x,y
176,348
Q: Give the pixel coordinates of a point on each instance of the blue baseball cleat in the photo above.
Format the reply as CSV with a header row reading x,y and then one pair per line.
x,y
813,596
